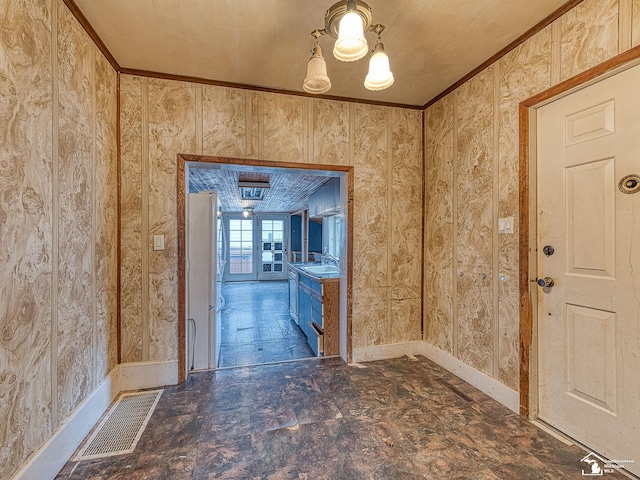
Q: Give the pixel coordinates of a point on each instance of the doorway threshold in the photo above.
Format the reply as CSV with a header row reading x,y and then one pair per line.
x,y
277,362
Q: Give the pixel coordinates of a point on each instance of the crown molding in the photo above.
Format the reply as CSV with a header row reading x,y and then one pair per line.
x,y
184,78
206,81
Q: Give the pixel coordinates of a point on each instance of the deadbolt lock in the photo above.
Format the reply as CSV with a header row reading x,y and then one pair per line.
x,y
629,184
546,282
548,250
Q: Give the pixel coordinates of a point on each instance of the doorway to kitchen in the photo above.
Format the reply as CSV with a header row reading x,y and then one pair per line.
x,y
256,319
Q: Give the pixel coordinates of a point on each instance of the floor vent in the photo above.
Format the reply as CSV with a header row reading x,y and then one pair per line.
x,y
120,430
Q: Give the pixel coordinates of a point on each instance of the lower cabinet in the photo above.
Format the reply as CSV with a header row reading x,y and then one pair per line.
x,y
318,313
306,297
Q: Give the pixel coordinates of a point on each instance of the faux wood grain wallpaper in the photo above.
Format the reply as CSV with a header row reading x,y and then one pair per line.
x,y
105,206
58,227
330,126
405,225
165,118
589,35
58,177
439,229
171,129
482,119
523,72
635,28
224,121
26,218
370,224
473,267
131,139
75,175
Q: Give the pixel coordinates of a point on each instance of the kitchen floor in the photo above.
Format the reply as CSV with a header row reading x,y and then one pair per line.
x,y
405,418
257,327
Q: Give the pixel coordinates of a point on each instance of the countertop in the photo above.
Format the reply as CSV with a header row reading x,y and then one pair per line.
x,y
321,277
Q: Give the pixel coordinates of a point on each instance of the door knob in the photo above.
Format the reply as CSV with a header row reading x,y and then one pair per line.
x,y
546,282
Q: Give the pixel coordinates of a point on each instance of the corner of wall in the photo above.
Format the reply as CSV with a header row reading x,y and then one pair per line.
x,y
47,461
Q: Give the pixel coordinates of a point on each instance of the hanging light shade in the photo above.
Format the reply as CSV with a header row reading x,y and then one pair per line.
x,y
347,21
379,76
316,80
351,44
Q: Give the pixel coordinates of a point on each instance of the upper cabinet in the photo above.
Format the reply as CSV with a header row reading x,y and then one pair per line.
x,y
326,200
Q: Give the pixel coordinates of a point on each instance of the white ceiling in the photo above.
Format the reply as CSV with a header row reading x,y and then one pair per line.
x,y
266,43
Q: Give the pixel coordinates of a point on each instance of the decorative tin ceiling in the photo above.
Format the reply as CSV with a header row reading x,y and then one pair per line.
x,y
288,192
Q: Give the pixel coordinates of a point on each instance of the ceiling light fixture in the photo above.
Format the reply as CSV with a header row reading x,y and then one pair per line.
x,y
347,22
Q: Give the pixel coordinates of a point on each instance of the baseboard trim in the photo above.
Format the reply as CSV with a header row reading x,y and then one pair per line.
x,y
140,375
483,382
383,352
47,461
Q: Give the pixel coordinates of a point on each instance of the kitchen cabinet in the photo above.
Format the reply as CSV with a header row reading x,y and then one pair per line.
x,y
293,294
325,200
304,320
319,312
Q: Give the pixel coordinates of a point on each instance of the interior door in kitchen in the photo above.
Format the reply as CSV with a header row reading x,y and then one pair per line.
x,y
588,262
272,231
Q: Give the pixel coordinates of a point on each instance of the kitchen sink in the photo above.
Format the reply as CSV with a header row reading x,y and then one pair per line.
x,y
321,269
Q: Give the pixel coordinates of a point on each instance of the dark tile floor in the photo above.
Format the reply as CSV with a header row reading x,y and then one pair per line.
x,y
256,325
322,419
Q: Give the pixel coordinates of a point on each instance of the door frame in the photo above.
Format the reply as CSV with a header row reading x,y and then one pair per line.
x,y
528,216
346,280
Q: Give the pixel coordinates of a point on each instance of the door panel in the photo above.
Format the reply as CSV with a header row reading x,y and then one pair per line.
x,y
272,231
590,202
588,321
591,373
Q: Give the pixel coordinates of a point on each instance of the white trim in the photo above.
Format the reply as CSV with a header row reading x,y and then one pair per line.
x,y
382,352
47,461
483,382
139,375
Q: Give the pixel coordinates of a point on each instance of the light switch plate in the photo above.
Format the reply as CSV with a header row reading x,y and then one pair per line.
x,y
506,225
158,242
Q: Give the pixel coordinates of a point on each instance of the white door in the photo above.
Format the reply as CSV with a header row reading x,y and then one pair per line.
x,y
272,229
589,320
202,341
257,247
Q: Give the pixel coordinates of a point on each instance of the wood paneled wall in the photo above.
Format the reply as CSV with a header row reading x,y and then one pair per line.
x,y
471,271
58,226
58,202
161,118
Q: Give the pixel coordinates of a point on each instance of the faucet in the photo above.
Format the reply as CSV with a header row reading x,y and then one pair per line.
x,y
327,258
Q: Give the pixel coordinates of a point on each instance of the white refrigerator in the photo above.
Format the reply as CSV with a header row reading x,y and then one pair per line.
x,y
205,265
